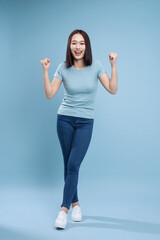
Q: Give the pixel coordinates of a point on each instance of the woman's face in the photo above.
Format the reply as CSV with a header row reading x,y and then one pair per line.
x,y
78,46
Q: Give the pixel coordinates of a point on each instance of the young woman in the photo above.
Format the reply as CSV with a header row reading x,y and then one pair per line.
x,y
75,116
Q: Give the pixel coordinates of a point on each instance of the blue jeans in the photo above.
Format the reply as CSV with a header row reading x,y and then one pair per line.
x,y
74,134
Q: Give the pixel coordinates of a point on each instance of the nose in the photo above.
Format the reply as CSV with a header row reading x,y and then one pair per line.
x,y
77,46
78,49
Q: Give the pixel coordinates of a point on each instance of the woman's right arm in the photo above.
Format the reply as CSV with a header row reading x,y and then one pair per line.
x,y
49,88
47,84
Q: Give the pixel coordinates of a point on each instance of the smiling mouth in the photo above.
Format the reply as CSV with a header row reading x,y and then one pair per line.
x,y
77,53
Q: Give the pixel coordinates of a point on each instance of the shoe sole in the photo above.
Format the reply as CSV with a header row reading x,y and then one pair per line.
x,y
59,225
76,219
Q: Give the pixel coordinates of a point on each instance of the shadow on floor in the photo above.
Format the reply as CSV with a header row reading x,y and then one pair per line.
x,y
116,223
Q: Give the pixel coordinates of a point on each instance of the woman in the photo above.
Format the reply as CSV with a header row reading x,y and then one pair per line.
x,y
75,116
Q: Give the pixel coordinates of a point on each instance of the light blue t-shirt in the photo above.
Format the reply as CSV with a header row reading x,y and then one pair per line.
x,y
80,88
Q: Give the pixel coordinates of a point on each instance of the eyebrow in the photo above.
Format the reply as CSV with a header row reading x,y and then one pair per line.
x,y
76,41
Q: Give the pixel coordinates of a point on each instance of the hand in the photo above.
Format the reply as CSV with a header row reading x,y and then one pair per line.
x,y
45,63
113,58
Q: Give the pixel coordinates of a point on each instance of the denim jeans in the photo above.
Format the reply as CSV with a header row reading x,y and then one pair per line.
x,y
74,135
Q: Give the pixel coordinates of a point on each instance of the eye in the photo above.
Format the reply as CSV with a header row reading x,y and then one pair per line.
x,y
75,43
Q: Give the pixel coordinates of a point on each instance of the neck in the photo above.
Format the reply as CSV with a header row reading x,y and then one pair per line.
x,y
79,63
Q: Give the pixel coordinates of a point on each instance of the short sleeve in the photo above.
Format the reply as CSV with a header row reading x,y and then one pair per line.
x,y
100,69
58,72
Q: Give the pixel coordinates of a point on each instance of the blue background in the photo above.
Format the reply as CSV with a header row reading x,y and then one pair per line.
x,y
119,179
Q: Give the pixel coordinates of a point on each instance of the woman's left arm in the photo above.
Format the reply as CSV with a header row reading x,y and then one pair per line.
x,y
111,84
114,78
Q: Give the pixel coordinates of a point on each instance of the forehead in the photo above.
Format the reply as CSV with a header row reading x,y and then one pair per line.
x,y
77,37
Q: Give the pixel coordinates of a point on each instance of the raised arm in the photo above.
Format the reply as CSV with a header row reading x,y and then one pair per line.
x,y
49,88
110,84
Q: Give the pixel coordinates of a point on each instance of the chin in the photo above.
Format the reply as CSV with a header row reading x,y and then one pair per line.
x,y
78,57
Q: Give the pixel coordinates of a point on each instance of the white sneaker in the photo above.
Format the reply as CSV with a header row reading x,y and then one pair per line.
x,y
76,213
61,220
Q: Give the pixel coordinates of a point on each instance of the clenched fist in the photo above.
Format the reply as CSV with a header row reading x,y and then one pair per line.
x,y
45,63
113,58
